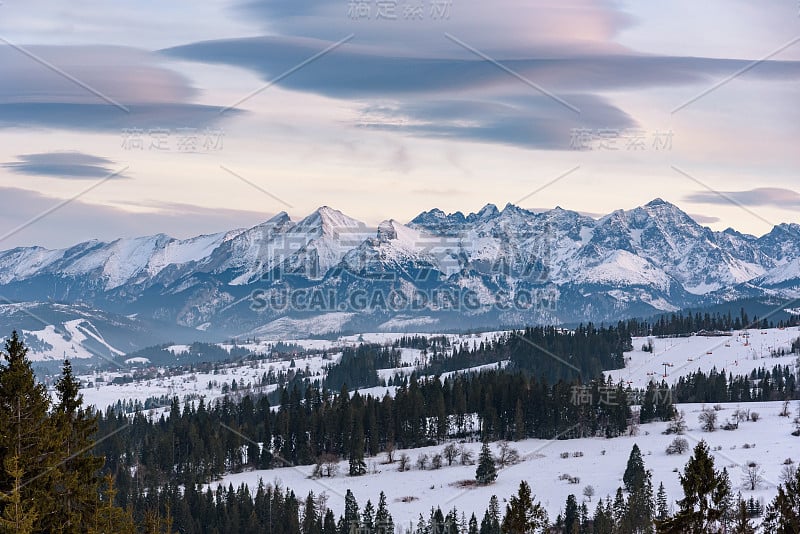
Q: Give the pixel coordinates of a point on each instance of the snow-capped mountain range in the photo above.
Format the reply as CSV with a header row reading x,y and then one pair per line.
x,y
329,272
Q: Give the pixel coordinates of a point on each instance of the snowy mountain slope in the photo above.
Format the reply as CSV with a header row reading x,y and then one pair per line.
x,y
509,266
739,353
53,331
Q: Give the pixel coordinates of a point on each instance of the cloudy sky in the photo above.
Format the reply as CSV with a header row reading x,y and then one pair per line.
x,y
132,118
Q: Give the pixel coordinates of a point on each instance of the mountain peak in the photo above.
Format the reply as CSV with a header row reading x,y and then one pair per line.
x,y
328,220
486,212
658,201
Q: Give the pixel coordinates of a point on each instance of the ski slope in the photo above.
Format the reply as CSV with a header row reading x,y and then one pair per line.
x,y
739,354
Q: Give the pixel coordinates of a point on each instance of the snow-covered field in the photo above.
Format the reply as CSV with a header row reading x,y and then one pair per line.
x,y
769,441
601,466
103,393
208,385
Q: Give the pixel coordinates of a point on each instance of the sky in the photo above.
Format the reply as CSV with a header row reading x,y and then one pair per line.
x,y
133,118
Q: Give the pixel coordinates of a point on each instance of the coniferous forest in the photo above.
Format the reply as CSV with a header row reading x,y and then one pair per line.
x,y
69,469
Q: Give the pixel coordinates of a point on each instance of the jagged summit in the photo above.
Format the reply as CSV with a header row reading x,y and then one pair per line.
x,y
637,261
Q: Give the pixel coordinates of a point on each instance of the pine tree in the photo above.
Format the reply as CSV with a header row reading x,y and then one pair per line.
x,y
351,516
473,524
522,514
704,490
741,523
639,509
368,518
77,482
783,513
486,472
662,505
357,465
634,471
602,522
571,516
28,436
383,519
18,515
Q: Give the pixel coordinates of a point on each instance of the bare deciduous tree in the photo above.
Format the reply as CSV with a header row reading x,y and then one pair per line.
x,y
436,461
677,425
450,453
422,461
678,446
752,475
506,454
404,462
327,465
467,456
708,420
389,453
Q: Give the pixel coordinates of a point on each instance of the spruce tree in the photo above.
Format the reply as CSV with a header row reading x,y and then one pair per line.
x,y
491,518
310,523
705,494
351,518
329,523
357,465
741,522
619,508
486,473
572,523
28,441
662,505
383,519
522,514
585,525
77,482
473,524
602,522
634,471
368,518
19,515
783,513
639,509
107,516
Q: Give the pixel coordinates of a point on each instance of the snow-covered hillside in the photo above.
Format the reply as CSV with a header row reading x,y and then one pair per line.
x,y
546,464
601,465
739,354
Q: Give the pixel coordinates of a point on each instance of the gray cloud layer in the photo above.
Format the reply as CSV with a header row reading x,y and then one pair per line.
x,y
472,98
106,223
761,196
62,165
95,88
